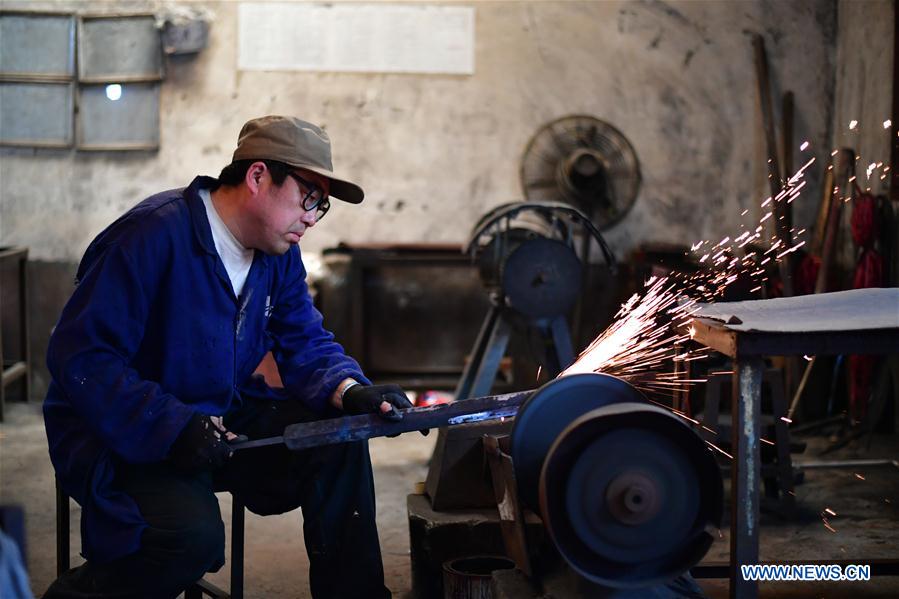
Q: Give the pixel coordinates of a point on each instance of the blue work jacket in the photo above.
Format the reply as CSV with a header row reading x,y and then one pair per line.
x,y
153,333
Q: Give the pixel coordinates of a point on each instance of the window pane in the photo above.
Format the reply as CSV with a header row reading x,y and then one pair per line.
x,y
37,45
117,116
120,48
38,114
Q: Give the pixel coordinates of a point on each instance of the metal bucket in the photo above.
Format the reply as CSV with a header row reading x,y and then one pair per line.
x,y
469,577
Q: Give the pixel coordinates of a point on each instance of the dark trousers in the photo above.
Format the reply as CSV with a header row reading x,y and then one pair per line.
x,y
185,537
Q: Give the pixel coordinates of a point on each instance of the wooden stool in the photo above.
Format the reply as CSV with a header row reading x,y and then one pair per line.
x,y
198,589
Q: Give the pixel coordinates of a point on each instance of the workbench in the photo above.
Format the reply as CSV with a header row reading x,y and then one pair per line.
x,y
862,321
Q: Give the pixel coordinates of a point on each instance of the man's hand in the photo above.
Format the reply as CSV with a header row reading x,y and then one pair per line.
x,y
200,445
383,400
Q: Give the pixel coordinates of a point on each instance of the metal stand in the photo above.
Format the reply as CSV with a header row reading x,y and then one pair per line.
x,y
490,347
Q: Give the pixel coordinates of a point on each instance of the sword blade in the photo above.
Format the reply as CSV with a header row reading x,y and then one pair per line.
x,y
305,435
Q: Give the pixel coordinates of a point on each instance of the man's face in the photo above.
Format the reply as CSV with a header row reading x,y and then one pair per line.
x,y
281,218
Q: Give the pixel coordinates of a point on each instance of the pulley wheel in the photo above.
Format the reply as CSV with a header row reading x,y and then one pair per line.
x,y
548,411
629,494
542,278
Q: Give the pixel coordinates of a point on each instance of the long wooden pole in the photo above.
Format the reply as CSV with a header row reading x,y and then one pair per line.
x,y
842,170
776,179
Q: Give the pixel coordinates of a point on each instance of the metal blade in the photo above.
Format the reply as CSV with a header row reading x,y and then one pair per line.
x,y
256,443
366,426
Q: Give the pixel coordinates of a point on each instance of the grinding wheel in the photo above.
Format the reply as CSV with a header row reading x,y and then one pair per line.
x,y
542,278
546,413
630,495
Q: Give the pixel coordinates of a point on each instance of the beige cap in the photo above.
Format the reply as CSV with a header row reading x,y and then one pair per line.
x,y
296,143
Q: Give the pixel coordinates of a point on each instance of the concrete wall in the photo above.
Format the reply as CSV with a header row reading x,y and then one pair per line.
x,y
864,82
436,152
863,93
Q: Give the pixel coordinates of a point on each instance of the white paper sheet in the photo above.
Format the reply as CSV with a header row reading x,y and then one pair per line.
x,y
859,309
373,38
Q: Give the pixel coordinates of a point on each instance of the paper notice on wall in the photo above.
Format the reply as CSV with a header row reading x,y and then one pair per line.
x,y
368,38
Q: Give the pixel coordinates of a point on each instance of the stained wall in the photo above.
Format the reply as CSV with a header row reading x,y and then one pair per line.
x,y
435,152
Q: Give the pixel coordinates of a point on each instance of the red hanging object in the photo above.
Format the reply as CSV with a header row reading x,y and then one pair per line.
x,y
868,273
864,220
806,274
868,270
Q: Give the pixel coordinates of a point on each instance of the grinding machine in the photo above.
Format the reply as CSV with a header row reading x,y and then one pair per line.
x,y
530,268
624,491
629,493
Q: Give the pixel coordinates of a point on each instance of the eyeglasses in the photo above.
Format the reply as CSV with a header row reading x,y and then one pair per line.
x,y
315,197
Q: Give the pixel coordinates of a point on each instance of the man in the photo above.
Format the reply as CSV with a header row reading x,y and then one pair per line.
x,y
152,363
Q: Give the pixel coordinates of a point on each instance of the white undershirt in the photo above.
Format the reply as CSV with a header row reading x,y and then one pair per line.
x,y
236,258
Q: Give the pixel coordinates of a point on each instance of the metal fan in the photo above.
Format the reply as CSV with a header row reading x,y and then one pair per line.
x,y
585,162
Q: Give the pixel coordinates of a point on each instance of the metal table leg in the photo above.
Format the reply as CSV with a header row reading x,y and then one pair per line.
x,y
782,443
745,473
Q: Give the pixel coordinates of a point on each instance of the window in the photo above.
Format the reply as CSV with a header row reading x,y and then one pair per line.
x,y
120,68
109,102
37,75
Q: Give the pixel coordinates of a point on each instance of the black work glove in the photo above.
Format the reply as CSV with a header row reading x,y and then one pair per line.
x,y
200,446
368,399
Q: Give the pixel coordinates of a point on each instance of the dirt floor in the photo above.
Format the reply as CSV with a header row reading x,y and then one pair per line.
x,y
866,526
